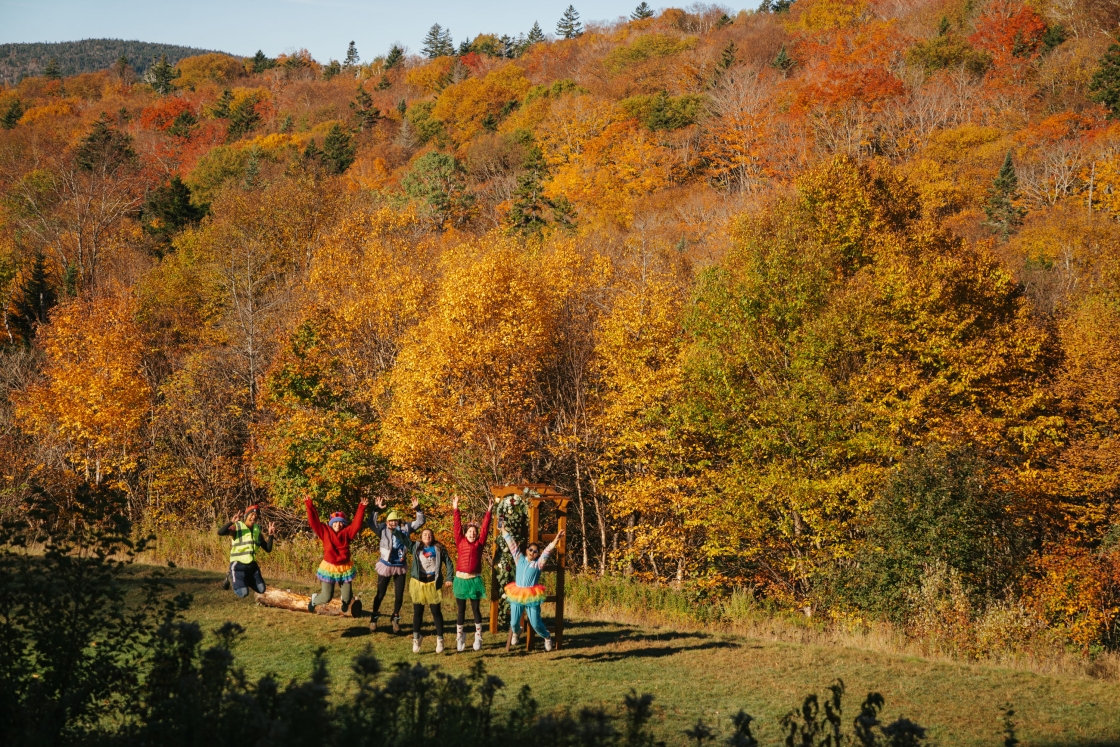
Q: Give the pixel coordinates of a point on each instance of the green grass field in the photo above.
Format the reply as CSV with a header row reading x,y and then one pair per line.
x,y
693,675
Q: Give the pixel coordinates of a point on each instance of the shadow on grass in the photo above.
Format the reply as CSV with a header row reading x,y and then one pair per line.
x,y
356,631
651,652
579,635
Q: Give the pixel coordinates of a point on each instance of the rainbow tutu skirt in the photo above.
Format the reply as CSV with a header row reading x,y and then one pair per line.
x,y
336,574
526,596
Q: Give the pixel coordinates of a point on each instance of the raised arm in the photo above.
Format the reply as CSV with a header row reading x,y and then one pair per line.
x,y
511,543
456,519
484,528
415,526
548,551
266,540
377,528
313,518
227,529
355,527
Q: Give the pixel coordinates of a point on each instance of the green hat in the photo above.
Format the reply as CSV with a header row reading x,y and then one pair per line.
x,y
393,516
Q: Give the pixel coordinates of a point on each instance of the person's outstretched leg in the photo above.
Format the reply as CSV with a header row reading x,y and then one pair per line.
x,y
437,618
382,587
460,619
515,611
346,593
417,621
537,622
326,592
398,600
477,624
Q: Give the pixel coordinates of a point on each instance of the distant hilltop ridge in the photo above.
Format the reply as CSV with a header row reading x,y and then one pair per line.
x,y
18,61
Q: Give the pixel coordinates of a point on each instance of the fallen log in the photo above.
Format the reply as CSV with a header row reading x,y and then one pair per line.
x,y
286,599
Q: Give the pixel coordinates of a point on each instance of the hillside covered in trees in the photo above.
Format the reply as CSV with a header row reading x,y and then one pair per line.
x,y
19,61
820,300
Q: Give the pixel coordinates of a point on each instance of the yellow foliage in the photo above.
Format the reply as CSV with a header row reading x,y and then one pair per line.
x,y
648,46
94,398
466,107
825,15
215,68
432,77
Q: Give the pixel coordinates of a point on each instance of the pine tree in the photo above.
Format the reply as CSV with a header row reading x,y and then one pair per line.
x,y
243,117
183,124
338,152
352,60
52,71
105,148
783,61
396,54
465,47
727,58
943,27
221,107
261,62
33,301
11,117
168,210
1104,88
535,35
365,113
160,75
642,12
123,72
1003,214
438,42
569,25
332,69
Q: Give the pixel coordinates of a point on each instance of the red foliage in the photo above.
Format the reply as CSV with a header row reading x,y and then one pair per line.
x,y
1010,32
162,114
473,61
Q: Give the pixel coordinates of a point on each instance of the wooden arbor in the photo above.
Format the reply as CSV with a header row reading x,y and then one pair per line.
x,y
545,493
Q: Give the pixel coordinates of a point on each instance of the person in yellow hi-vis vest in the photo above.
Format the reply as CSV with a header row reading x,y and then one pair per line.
x,y
247,537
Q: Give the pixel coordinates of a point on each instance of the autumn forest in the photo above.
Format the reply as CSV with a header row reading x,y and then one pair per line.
x,y
819,301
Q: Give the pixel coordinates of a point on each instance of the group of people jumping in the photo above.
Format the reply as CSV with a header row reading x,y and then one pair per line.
x,y
425,562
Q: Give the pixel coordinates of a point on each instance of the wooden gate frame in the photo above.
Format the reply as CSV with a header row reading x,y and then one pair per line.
x,y
556,564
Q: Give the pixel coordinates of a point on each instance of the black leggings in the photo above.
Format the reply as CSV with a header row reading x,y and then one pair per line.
x,y
398,593
461,612
418,618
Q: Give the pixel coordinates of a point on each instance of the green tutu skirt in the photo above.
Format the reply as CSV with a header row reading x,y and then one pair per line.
x,y
469,588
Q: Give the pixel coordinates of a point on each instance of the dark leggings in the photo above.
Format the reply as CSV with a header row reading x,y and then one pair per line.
x,y
418,618
461,611
398,593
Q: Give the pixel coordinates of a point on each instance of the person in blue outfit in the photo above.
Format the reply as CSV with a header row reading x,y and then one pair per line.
x,y
525,593
394,541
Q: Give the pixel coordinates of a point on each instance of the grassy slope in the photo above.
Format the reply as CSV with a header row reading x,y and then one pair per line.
x,y
693,675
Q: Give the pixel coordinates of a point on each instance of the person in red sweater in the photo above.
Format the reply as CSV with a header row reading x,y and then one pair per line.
x,y
468,582
336,567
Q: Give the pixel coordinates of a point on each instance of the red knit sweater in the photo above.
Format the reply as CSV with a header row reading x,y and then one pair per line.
x,y
336,545
469,558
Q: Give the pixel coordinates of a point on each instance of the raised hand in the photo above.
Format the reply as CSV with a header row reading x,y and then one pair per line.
x,y
271,528
560,535
415,503
455,501
235,518
365,500
380,502
490,505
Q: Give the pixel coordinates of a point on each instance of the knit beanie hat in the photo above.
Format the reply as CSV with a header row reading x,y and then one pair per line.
x,y
254,509
337,516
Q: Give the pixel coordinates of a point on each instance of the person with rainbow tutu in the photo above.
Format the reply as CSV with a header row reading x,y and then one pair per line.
x,y
525,593
336,567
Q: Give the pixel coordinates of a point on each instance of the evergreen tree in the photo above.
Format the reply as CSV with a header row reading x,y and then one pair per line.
x,y
34,300
465,47
529,213
396,54
1003,214
642,12
243,117
105,148
1104,88
727,57
261,62
221,107
52,71
438,42
352,60
332,69
160,75
365,113
183,124
569,25
12,115
943,27
338,152
535,35
783,61
122,70
169,209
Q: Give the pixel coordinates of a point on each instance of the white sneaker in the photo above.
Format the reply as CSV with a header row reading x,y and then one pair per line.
x,y
416,644
439,644
460,639
478,639
513,640
547,644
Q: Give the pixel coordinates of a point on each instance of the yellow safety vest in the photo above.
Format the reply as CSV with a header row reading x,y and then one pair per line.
x,y
244,547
